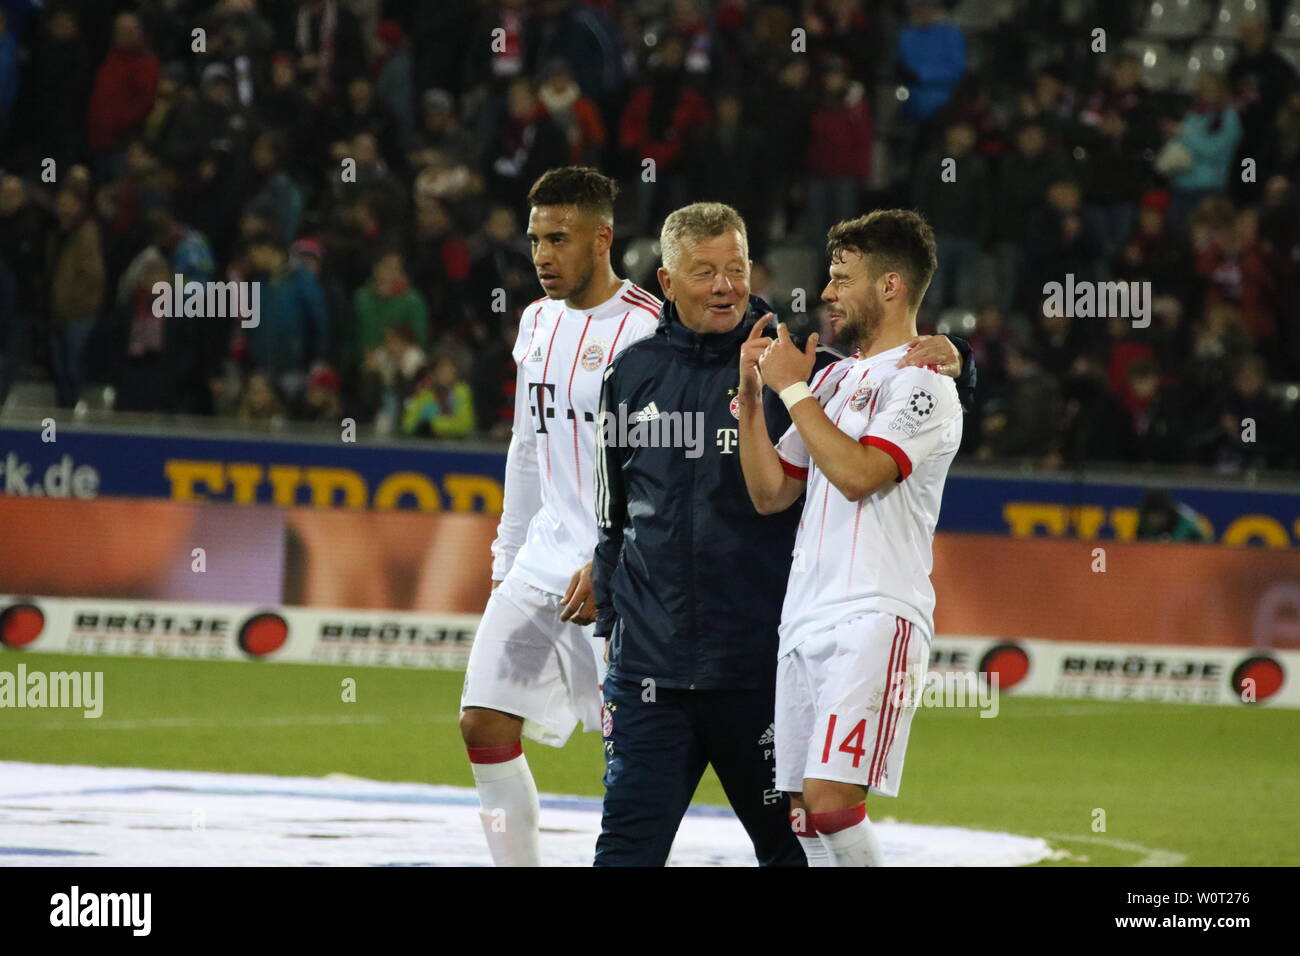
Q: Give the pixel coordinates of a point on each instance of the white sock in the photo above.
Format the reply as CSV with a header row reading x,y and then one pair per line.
x,y
809,841
508,806
849,843
816,851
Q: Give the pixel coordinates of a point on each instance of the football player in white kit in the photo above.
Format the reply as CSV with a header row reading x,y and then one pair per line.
x,y
871,451
535,667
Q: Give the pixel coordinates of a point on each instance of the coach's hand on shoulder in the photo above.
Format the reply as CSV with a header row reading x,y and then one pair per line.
x,y
579,603
751,383
782,364
935,350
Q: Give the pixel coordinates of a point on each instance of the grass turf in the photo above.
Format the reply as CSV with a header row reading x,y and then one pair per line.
x,y
1215,785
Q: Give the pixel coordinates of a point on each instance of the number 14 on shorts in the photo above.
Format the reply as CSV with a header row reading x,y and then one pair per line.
x,y
852,743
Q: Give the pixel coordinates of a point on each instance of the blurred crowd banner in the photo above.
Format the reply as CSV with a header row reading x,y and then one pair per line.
x,y
401,476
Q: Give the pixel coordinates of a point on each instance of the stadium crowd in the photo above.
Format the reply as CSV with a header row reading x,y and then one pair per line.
x,y
367,162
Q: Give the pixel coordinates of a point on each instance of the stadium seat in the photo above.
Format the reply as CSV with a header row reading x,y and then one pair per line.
x,y
640,260
1206,55
1176,19
1291,21
1161,69
1227,20
979,15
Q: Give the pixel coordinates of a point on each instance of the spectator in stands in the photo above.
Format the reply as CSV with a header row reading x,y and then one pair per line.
x,y
1027,421
360,111
1155,252
330,44
1023,177
1160,518
1260,79
1060,241
659,119
441,404
260,402
784,108
60,87
292,333
1234,270
1155,418
1210,131
959,209
1096,428
1253,426
575,115
839,154
387,300
279,196
527,142
439,136
391,71
1119,172
727,161
124,90
322,399
24,245
931,60
77,283
389,375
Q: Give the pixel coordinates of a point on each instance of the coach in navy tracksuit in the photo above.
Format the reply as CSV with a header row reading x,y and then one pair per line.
x,y
688,578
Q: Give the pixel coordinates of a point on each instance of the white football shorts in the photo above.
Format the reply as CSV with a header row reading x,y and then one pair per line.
x,y
844,703
527,662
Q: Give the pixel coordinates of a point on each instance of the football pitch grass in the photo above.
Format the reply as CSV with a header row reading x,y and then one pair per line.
x,y
1170,783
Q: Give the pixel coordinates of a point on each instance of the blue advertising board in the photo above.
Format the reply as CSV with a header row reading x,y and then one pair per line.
x,y
89,462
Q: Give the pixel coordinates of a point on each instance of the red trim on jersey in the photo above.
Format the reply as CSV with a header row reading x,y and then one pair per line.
x,y
833,821
793,470
495,754
826,371
896,691
640,305
887,704
577,353
893,451
546,365
610,358
640,293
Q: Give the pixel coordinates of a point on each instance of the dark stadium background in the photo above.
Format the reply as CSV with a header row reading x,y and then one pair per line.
x,y
193,155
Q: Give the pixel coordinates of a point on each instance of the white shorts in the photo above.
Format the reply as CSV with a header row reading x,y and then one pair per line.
x,y
834,719
527,662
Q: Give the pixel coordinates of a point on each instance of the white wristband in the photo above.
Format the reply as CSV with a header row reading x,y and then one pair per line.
x,y
795,393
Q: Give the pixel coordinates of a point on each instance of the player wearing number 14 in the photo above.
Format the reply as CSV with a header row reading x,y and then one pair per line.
x,y
869,450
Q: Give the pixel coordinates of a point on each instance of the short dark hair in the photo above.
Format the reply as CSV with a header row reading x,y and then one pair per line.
x,y
579,186
891,240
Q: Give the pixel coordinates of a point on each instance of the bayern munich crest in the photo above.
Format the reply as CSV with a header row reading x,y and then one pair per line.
x,y
861,397
593,355
735,407
606,721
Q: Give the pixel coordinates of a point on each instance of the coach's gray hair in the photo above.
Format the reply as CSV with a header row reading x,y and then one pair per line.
x,y
700,220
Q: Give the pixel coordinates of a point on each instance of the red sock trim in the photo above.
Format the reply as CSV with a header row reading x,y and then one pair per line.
x,y
495,754
802,825
833,821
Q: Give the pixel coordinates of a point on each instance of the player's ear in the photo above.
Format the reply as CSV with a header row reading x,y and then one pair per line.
x,y
666,283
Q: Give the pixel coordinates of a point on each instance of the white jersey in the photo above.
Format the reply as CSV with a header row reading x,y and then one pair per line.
x,y
548,521
852,558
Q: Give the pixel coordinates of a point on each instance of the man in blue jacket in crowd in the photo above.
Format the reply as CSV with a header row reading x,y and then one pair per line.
x,y
688,578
